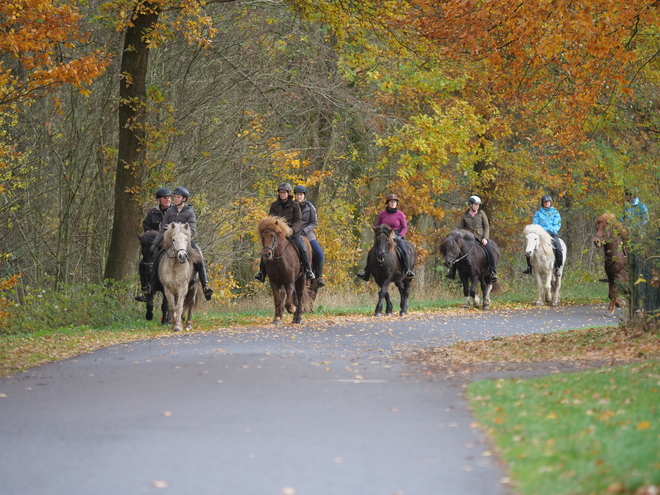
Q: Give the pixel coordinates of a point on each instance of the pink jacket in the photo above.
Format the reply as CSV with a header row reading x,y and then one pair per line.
x,y
396,220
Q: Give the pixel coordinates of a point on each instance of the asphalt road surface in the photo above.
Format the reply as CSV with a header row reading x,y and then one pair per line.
x,y
312,409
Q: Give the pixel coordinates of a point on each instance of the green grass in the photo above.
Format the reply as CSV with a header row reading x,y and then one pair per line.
x,y
568,434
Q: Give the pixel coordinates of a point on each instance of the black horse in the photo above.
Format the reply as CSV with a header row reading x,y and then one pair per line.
x,y
462,250
146,267
385,265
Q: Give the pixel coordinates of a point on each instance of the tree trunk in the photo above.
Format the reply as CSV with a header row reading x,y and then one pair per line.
x,y
123,250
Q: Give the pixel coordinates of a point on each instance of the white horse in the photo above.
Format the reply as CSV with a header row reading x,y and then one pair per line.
x,y
539,250
177,274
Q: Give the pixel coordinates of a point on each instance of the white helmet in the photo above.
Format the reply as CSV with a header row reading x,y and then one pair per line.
x,y
474,199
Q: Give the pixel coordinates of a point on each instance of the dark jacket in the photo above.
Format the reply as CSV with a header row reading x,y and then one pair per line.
x,y
186,215
290,211
309,219
153,219
477,224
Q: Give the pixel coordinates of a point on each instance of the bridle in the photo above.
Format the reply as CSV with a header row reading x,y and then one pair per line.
x,y
274,244
456,260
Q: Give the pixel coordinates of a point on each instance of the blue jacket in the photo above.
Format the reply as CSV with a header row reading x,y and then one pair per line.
x,y
635,214
549,219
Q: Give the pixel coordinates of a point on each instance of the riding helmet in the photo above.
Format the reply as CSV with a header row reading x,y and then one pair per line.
x,y
391,197
284,186
300,189
182,191
162,192
546,198
474,199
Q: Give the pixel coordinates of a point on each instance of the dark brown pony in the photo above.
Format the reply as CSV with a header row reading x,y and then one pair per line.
x,y
287,279
386,268
610,235
146,268
460,248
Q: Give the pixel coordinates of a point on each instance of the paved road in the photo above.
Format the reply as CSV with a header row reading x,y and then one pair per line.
x,y
329,409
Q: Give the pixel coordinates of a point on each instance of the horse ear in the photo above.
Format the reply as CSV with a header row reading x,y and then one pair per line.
x,y
170,226
374,227
186,226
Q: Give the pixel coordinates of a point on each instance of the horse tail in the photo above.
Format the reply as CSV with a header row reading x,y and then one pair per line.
x,y
307,299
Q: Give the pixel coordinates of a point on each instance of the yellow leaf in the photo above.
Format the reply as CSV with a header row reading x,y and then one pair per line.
x,y
552,415
644,425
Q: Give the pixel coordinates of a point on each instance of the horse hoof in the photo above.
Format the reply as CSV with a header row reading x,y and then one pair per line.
x,y
277,322
297,320
402,313
388,314
466,306
378,314
188,326
177,329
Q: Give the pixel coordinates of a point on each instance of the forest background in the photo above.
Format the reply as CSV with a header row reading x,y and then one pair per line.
x,y
101,103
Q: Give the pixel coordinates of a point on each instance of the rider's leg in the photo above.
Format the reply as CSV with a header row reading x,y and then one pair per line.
x,y
405,258
302,252
492,264
151,284
201,270
528,270
319,262
260,276
144,280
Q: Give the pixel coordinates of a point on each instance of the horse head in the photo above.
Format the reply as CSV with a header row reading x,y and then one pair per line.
x,y
383,241
607,230
535,236
177,238
451,247
270,229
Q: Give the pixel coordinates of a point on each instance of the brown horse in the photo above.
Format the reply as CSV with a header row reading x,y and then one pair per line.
x,y
177,274
610,235
146,267
287,279
461,248
385,266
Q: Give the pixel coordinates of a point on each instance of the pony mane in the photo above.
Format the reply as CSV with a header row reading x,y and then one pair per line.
x,y
607,218
538,230
276,224
148,237
456,236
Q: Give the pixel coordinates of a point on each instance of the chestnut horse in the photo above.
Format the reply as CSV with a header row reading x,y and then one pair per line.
x,y
177,274
386,268
146,267
462,249
611,237
287,278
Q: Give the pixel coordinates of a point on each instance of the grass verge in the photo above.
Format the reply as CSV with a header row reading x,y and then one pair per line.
x,y
595,432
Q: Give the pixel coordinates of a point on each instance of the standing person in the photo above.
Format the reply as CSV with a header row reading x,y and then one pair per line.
x,y
475,221
550,220
152,221
309,223
179,212
635,213
396,219
286,207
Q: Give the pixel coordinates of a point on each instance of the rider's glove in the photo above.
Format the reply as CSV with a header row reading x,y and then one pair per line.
x,y
153,248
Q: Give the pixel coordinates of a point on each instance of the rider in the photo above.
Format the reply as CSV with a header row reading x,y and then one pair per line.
x,y
396,219
182,213
286,207
475,220
309,223
549,219
152,221
635,213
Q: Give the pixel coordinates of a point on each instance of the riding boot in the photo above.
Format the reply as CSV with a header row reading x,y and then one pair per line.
x,y
318,269
201,270
528,270
260,276
405,259
302,252
492,265
451,273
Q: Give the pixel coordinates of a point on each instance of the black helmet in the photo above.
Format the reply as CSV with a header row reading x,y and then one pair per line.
x,y
182,191
546,198
284,186
162,192
300,189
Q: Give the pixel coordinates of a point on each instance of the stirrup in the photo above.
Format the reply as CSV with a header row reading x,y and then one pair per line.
x,y
527,271
362,275
410,274
208,292
259,277
146,290
141,298
451,275
493,276
320,282
309,274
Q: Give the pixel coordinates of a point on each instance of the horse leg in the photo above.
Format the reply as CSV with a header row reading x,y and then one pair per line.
x,y
474,294
278,300
388,304
290,297
381,298
556,286
164,307
150,307
539,287
486,288
404,292
548,286
299,290
176,302
466,291
613,294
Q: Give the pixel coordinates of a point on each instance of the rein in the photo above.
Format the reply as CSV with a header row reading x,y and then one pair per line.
x,y
462,257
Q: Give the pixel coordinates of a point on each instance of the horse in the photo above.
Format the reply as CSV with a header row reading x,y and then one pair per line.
x,y
177,274
386,267
284,268
146,266
462,249
540,251
610,236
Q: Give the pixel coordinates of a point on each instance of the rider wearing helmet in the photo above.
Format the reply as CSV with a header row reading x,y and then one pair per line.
x,y
286,207
152,221
549,219
309,223
180,212
475,220
395,218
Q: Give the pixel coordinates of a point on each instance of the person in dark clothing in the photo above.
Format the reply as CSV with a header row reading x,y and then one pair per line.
x,y
180,212
287,208
152,221
309,223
